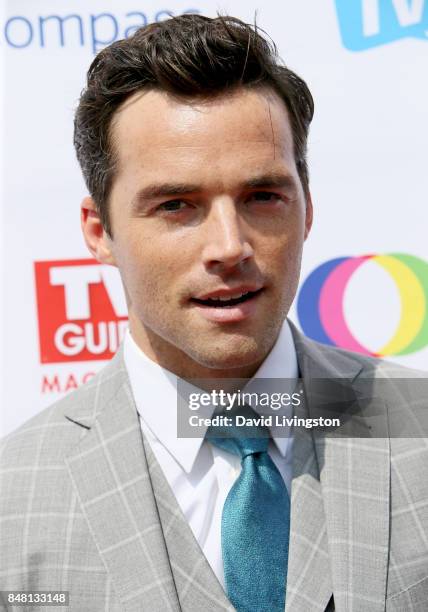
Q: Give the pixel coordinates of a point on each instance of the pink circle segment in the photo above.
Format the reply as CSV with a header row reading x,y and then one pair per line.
x,y
331,308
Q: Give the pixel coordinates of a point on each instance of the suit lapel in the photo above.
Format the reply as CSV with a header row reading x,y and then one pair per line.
x,y
309,584
350,502
110,474
197,586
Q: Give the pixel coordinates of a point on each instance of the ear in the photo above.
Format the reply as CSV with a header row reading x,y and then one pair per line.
x,y
309,214
97,240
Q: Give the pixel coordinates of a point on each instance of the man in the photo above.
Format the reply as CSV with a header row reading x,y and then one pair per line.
x,y
192,140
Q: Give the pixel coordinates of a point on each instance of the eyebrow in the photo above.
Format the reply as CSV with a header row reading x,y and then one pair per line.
x,y
163,190
271,180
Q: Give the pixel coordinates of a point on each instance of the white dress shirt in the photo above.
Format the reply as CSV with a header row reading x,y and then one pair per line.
x,y
200,474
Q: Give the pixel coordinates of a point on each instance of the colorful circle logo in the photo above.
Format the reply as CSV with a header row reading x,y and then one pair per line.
x,y
320,305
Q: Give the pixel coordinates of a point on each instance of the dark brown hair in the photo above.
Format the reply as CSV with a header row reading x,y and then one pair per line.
x,y
189,56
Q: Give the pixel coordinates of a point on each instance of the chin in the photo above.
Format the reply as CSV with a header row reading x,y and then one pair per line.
x,y
222,358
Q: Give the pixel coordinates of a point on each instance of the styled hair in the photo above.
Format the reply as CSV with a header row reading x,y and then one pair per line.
x,y
188,56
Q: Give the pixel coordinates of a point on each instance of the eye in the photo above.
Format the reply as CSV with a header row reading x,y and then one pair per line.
x,y
265,196
172,206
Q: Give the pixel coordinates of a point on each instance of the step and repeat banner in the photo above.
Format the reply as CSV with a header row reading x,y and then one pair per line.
x,y
364,283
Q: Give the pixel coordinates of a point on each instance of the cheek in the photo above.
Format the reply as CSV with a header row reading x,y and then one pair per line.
x,y
282,264
137,267
283,252
150,271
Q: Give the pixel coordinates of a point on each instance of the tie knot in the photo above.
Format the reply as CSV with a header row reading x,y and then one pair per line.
x,y
240,439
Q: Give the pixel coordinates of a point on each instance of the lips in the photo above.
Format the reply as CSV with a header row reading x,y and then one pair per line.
x,y
228,293
234,307
226,301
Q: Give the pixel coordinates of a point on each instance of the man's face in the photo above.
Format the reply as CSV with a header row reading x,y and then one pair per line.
x,y
207,202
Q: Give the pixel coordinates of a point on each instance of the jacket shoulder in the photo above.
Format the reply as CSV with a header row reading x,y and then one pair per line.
x,y
370,366
51,433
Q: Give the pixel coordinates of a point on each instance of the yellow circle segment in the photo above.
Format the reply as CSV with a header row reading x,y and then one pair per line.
x,y
412,303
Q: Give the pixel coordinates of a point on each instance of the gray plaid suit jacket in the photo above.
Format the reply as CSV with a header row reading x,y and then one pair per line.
x,y
85,507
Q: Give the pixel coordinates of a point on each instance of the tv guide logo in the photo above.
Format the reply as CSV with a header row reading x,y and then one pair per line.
x,y
81,310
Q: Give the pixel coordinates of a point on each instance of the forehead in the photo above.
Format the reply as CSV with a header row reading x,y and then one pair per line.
x,y
155,133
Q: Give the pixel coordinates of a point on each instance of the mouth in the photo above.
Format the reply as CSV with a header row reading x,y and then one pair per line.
x,y
228,309
226,302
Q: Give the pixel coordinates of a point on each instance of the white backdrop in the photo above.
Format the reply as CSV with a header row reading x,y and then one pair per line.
x,y
366,64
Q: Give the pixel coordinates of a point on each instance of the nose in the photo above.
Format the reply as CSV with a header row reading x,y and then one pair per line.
x,y
225,242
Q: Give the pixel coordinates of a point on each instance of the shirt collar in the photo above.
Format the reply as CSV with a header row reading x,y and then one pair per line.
x,y
155,393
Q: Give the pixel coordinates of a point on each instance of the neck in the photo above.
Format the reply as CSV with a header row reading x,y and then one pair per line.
x,y
182,365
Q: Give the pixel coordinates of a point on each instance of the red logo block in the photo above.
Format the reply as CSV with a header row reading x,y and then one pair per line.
x,y
81,310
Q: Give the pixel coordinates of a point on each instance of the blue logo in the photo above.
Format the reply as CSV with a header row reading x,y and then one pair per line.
x,y
370,23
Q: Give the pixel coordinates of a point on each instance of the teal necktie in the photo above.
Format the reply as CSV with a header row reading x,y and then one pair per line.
x,y
255,524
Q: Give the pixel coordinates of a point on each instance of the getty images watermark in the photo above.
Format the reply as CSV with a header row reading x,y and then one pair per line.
x,y
265,407
360,408
239,407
